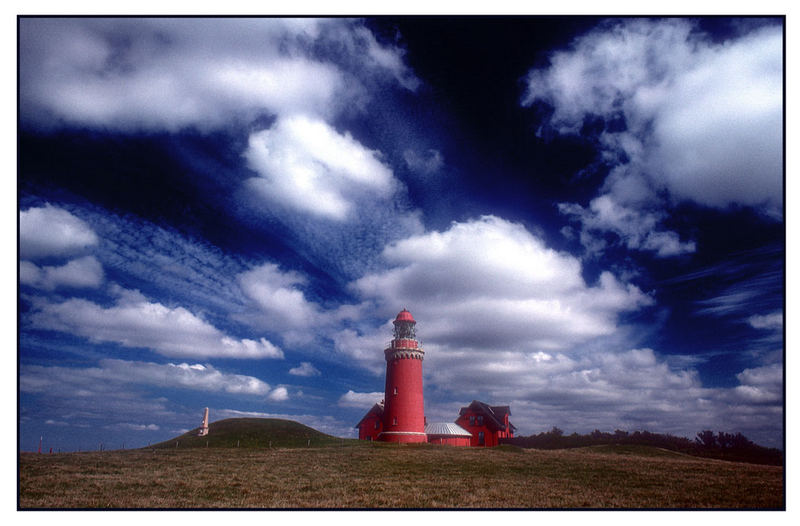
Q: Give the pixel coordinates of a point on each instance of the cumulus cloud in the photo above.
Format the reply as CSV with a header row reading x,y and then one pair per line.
x,y
279,304
50,231
279,394
491,283
136,322
761,384
84,272
682,114
606,387
172,73
310,167
359,400
304,369
365,349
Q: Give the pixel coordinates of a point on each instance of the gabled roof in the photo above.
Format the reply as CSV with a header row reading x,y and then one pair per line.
x,y
376,409
495,414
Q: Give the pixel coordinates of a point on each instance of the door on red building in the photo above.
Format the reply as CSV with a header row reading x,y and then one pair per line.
x,y
481,440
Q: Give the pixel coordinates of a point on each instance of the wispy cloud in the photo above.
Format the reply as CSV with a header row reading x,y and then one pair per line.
x,y
137,322
428,163
111,374
747,296
771,321
305,369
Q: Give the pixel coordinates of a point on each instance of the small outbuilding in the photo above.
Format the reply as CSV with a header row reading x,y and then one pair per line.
x,y
448,434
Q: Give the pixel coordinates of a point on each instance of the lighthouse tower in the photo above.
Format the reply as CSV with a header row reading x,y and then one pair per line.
x,y
404,412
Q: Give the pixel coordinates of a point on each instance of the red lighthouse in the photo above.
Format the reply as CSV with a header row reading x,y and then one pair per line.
x,y
404,412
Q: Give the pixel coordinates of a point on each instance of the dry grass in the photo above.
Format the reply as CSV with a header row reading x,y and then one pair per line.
x,y
373,476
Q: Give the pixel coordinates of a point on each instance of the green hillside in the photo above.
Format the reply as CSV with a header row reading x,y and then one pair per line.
x,y
252,433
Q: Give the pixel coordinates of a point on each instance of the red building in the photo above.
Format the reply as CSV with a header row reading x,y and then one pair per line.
x,y
372,424
487,424
403,408
400,416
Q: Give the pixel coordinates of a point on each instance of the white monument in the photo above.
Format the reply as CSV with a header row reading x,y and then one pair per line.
x,y
204,428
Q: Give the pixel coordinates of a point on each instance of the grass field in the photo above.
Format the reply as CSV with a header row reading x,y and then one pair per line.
x,y
367,475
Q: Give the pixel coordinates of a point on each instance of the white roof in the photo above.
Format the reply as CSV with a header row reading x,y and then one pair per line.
x,y
446,428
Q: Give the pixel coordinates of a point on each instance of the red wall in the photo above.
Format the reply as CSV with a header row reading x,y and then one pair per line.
x,y
491,438
406,407
449,441
367,429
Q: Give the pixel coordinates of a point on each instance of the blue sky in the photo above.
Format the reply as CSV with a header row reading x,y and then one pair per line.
x,y
584,215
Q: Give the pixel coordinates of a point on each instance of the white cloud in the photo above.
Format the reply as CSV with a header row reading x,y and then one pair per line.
x,y
85,272
359,400
279,394
139,427
136,322
310,167
702,120
605,388
50,231
110,375
761,384
637,229
505,319
171,73
389,58
719,129
767,321
364,349
278,303
304,369
491,284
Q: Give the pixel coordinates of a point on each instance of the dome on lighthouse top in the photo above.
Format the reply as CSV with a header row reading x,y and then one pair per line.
x,y
404,315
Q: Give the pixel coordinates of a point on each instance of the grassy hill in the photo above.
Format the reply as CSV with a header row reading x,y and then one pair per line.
x,y
252,433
